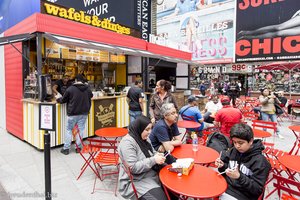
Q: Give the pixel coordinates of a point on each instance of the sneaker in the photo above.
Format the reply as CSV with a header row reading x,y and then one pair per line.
x,y
78,150
64,151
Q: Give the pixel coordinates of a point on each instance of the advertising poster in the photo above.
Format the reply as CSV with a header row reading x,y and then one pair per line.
x,y
267,30
204,28
131,13
105,113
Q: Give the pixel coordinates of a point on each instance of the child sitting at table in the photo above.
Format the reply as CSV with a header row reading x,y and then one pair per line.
x,y
245,168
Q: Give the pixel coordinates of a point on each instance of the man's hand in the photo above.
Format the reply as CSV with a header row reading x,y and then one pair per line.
x,y
219,163
233,173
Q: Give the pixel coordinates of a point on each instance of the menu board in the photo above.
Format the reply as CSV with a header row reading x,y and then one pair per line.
x,y
52,49
104,56
121,59
113,58
96,55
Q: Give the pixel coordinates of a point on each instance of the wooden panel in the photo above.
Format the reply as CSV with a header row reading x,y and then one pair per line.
x,y
14,90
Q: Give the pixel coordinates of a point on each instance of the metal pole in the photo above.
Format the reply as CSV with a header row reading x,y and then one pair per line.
x,y
47,163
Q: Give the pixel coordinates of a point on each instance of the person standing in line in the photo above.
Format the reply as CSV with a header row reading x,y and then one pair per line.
x,y
162,96
135,100
78,99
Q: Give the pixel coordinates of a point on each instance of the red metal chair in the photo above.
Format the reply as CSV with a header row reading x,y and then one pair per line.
x,y
284,184
266,125
107,156
287,197
206,132
87,152
250,116
127,170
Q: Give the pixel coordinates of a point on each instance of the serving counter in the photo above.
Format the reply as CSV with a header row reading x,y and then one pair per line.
x,y
107,111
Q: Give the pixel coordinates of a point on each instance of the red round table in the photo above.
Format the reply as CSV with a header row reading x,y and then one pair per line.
x,y
290,161
295,129
111,132
261,133
204,155
202,182
188,124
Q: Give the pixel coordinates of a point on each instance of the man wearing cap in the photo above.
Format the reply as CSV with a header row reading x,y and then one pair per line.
x,y
78,99
227,116
191,112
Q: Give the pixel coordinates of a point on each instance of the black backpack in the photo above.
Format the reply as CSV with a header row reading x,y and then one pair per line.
x,y
218,142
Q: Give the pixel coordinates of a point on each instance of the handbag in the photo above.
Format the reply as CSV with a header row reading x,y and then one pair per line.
x,y
278,109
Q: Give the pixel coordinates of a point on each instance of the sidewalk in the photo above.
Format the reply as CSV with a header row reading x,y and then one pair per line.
x,y
22,171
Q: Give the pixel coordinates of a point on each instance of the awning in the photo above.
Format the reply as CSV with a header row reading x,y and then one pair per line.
x,y
286,66
16,38
67,41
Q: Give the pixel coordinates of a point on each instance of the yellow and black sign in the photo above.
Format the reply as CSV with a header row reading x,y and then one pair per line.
x,y
105,113
80,16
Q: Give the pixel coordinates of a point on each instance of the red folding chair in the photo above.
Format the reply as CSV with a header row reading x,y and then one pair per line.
x,y
87,152
127,170
106,157
287,185
266,125
250,116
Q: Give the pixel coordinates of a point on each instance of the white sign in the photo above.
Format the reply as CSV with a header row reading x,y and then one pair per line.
x,y
46,117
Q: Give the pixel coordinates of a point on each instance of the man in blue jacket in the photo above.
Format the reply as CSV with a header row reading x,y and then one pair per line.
x,y
78,99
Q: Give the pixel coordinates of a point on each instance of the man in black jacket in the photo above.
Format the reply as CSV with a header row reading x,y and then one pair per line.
x,y
78,99
245,168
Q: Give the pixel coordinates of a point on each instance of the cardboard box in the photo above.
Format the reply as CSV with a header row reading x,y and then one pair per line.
x,y
184,171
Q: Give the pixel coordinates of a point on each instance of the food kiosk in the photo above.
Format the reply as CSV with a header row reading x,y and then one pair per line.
x,y
44,44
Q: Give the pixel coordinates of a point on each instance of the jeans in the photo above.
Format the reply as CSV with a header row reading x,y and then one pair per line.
x,y
272,117
134,114
80,120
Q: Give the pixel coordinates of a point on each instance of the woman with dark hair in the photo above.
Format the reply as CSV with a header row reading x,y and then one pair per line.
x,y
267,111
138,153
162,95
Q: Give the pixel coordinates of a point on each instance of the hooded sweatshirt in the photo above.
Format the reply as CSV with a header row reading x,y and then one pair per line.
x,y
254,170
78,99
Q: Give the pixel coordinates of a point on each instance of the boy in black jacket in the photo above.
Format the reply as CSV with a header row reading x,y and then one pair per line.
x,y
246,169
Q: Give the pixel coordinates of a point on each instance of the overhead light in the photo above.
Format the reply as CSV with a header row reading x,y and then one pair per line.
x,y
126,49
102,45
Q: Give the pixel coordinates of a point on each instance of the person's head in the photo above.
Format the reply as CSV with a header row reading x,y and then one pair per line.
x,y
281,93
215,99
65,79
192,100
141,127
163,85
79,78
225,100
139,83
169,113
265,92
242,137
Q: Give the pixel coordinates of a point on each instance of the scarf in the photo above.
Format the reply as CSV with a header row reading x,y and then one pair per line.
x,y
135,131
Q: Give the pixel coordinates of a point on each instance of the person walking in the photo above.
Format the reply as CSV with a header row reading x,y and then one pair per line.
x,y
233,91
135,100
78,99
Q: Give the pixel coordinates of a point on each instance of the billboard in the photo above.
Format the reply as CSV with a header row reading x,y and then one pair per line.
x,y
131,13
204,28
14,11
267,30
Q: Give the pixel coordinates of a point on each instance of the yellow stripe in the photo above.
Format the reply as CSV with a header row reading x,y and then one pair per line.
x,y
32,124
42,139
92,124
25,106
58,128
